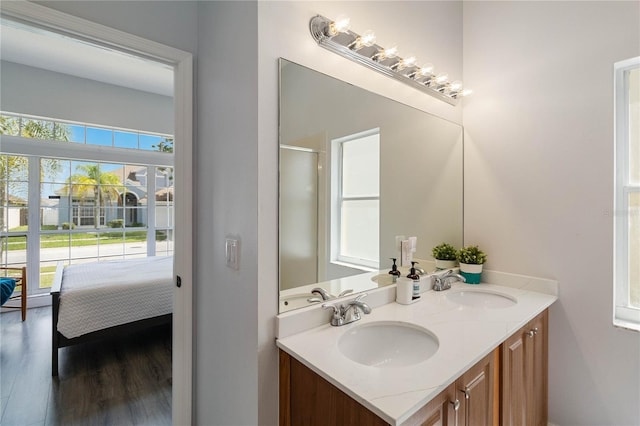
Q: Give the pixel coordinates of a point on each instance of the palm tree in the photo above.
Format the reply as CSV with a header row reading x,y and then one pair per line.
x,y
95,184
17,165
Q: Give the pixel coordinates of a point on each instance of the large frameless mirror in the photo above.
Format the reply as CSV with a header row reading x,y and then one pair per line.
x,y
356,171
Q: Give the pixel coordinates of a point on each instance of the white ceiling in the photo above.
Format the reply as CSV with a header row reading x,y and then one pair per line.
x,y
43,49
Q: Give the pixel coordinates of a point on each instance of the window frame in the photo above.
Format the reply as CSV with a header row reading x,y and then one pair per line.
x,y
338,199
624,315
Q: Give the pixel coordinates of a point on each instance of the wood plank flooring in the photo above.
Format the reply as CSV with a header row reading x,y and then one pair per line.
x,y
125,381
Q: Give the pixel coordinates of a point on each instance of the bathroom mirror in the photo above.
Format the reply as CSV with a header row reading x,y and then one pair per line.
x,y
356,170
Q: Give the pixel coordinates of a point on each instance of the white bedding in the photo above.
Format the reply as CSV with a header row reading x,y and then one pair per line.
x,y
100,295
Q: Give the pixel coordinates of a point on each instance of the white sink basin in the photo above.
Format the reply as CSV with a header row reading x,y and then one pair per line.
x,y
382,279
482,299
388,344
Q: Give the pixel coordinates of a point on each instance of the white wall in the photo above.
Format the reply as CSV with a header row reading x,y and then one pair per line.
x,y
36,91
539,180
431,30
227,205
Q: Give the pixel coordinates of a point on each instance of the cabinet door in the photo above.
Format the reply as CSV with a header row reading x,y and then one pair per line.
x,y
440,411
524,375
513,386
538,337
308,399
476,392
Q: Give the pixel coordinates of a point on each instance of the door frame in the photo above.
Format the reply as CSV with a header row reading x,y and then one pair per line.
x,y
182,63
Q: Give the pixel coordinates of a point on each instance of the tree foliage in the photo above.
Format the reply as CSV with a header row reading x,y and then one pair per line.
x,y
92,183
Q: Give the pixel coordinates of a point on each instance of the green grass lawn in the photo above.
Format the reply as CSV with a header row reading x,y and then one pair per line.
x,y
80,239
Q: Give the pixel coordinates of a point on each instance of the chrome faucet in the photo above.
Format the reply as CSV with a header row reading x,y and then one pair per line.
x,y
348,312
443,282
324,294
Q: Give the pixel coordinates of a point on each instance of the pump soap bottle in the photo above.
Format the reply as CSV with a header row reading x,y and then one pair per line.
x,y
408,289
394,270
415,294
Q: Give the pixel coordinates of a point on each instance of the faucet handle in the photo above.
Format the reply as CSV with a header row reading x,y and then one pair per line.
x,y
360,297
336,317
347,291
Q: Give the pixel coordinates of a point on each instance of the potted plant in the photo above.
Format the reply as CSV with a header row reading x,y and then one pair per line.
x,y
445,256
471,259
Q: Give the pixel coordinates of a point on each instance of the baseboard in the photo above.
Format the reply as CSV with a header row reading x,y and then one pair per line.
x,y
37,301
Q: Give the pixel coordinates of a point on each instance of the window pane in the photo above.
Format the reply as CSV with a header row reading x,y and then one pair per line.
x,y
54,170
361,167
136,242
125,140
150,142
54,247
96,136
47,273
360,229
634,249
9,125
84,245
76,133
14,250
634,126
37,129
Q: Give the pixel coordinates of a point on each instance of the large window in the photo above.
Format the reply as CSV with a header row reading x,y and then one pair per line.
x,y
627,195
84,205
356,188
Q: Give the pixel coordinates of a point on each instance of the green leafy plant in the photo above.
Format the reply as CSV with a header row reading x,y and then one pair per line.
x,y
471,255
116,223
68,225
444,251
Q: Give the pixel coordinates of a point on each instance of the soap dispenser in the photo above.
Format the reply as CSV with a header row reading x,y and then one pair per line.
x,y
394,270
416,281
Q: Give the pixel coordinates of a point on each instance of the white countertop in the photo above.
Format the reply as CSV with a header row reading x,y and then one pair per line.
x,y
466,334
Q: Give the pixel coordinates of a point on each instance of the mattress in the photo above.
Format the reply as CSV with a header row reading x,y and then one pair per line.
x,y
99,295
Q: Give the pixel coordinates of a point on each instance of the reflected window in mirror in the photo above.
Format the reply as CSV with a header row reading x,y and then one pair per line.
x,y
355,219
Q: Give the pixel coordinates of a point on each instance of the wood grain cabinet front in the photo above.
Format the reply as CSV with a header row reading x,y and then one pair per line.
x,y
524,371
308,399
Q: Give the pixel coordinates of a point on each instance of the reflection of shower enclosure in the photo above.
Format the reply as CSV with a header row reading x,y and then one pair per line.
x,y
298,217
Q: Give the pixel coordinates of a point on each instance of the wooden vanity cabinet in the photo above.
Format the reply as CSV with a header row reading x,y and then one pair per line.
x,y
306,398
524,375
507,387
467,402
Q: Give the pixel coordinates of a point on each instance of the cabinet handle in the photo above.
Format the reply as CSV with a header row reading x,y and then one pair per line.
x,y
456,404
532,332
466,393
456,407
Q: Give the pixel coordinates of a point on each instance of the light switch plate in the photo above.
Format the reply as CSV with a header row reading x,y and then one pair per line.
x,y
232,253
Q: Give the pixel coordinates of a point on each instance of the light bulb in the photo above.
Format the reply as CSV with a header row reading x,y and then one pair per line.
x,y
390,52
368,38
466,92
341,24
455,86
426,70
441,78
406,62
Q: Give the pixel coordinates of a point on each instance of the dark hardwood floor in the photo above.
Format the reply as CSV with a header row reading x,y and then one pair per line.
x,y
125,381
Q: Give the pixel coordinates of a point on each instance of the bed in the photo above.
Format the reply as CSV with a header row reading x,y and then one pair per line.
x,y
107,299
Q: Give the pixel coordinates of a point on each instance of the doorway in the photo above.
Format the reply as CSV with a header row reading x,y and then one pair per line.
x,y
181,63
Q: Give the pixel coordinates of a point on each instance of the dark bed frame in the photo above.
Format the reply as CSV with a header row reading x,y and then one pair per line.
x,y
59,341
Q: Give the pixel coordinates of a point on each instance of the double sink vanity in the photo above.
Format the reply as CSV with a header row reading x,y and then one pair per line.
x,y
471,354
474,354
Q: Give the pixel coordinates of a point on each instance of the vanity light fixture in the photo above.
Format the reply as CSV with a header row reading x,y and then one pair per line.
x,y
336,36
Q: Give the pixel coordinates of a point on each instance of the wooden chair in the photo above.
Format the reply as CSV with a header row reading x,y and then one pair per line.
x,y
20,275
